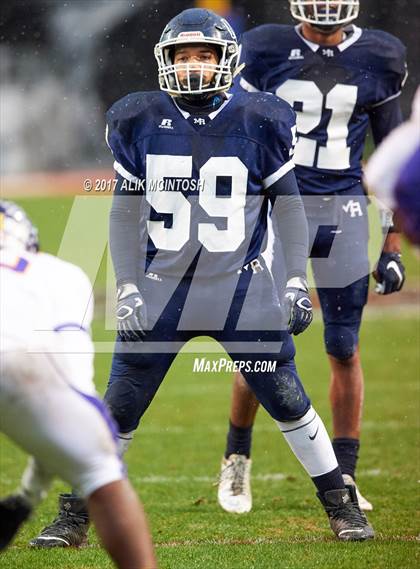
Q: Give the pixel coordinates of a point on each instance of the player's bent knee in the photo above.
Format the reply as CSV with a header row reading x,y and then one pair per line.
x,y
294,412
341,341
291,398
99,472
126,403
282,395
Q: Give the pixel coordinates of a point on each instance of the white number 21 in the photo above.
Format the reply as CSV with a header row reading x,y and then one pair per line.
x,y
341,100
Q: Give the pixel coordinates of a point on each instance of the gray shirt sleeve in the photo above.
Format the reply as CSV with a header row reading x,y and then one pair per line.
x,y
290,225
124,233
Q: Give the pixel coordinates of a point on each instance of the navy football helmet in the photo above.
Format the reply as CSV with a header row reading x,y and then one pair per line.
x,y
16,229
194,27
325,12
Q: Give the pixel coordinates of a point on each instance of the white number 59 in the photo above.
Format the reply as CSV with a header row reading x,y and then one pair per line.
x,y
175,203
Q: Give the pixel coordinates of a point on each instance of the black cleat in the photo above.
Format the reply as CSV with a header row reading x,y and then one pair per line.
x,y
347,520
70,527
14,510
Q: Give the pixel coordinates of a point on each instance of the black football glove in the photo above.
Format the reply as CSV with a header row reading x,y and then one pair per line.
x,y
131,313
389,274
298,305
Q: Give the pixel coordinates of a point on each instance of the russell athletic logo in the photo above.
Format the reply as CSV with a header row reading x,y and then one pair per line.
x,y
166,123
295,54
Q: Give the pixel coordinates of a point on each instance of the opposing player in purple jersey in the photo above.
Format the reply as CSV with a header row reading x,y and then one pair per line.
x,y
393,173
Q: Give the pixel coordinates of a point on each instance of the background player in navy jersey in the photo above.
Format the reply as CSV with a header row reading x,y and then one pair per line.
x,y
339,79
186,243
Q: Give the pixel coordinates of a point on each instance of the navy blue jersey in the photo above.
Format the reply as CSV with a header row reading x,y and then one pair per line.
x,y
332,89
205,189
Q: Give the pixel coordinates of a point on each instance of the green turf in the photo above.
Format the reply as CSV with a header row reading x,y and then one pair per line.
x,y
174,461
52,214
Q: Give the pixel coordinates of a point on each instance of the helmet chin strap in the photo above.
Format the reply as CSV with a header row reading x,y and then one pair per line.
x,y
195,81
238,70
203,103
326,29
198,98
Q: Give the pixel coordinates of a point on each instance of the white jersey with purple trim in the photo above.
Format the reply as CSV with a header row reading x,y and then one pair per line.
x,y
48,404
386,163
47,306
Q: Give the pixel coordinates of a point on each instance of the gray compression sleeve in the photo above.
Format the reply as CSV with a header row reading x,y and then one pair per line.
x,y
290,225
124,233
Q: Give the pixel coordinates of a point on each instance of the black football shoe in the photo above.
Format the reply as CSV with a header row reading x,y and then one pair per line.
x,y
347,520
70,527
14,510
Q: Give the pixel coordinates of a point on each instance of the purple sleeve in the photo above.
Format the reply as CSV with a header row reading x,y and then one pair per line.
x,y
407,197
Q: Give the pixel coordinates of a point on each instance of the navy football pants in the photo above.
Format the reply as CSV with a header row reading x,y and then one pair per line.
x,y
338,237
250,332
340,264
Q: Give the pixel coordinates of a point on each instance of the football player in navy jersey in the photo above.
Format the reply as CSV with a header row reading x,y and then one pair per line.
x,y
197,170
339,79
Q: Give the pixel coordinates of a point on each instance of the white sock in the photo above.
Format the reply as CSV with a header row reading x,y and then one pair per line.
x,y
309,440
35,483
124,441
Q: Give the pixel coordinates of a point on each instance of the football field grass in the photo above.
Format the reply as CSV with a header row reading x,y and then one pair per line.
x,y
174,460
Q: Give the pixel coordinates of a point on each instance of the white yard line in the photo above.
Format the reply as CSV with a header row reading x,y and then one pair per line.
x,y
324,537
267,477
221,429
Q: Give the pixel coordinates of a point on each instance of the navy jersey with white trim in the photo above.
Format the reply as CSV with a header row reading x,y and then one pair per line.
x,y
333,91
204,190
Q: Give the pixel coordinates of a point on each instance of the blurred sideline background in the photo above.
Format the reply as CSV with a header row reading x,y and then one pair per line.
x,y
62,64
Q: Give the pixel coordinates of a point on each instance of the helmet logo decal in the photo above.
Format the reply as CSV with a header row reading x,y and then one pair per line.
x,y
191,35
